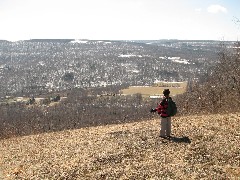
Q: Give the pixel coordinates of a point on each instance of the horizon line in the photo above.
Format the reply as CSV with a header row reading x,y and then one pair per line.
x,y
84,39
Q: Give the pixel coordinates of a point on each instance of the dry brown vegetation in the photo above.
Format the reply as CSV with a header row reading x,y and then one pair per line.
x,y
203,147
218,90
81,108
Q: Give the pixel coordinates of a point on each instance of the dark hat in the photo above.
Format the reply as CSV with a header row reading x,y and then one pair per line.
x,y
166,92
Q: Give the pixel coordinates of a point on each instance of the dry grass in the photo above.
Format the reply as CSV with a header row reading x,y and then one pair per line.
x,y
129,151
147,91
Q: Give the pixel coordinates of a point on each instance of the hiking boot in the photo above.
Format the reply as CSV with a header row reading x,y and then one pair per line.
x,y
169,137
164,137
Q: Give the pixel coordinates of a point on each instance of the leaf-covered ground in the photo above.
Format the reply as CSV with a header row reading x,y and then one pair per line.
x,y
202,147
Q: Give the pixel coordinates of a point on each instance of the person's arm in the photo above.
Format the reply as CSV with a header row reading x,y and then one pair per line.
x,y
159,108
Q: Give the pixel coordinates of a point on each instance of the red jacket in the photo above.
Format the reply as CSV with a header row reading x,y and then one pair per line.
x,y
162,107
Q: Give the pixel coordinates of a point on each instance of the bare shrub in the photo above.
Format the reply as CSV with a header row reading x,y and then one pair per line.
x,y
219,90
82,108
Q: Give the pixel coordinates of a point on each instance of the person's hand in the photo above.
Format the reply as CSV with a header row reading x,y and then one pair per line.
x,y
153,110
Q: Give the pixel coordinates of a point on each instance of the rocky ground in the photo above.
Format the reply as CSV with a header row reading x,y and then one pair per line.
x,y
202,147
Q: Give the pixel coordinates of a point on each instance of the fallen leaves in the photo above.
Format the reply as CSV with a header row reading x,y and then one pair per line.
x,y
204,147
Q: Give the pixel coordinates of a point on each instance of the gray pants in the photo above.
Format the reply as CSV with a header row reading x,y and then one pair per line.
x,y
165,126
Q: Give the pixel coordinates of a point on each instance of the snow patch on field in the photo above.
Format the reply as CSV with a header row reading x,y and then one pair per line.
x,y
129,55
78,41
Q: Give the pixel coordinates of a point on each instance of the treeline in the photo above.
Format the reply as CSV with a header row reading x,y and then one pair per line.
x,y
219,90
82,108
39,66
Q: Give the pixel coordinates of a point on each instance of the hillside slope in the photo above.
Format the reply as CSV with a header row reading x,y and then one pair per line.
x,y
203,147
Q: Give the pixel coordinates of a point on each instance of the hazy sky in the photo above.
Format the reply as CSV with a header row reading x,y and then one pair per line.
x,y
120,19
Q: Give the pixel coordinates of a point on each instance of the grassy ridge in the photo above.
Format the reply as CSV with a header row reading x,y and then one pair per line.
x,y
129,151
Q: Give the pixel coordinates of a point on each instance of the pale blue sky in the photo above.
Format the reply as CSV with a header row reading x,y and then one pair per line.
x,y
120,19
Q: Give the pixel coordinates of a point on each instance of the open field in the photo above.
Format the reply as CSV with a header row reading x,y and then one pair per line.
x,y
202,147
146,91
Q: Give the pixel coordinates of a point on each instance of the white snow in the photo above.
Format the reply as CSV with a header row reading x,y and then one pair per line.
x,y
174,58
78,41
126,55
41,63
157,81
163,57
49,85
183,61
155,97
135,71
129,55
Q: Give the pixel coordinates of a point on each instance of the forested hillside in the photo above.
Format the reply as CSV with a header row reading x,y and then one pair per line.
x,y
38,66
219,89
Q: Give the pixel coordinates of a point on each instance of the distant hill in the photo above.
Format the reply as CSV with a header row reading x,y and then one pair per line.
x,y
50,40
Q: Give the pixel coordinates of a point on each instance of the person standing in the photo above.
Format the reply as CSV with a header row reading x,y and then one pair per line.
x,y
162,108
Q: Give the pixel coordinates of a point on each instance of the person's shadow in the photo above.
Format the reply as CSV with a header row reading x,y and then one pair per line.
x,y
183,139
